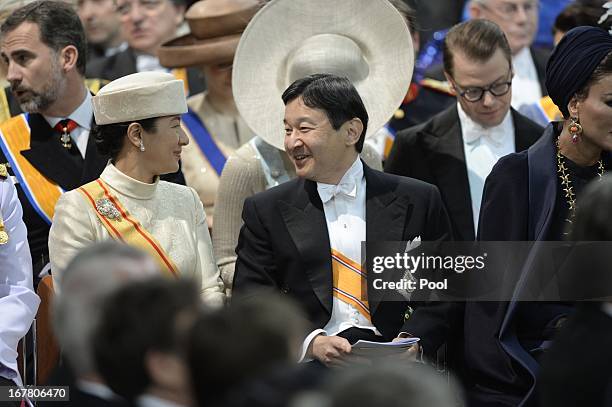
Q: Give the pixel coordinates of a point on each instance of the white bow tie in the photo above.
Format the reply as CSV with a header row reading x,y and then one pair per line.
x,y
495,135
328,191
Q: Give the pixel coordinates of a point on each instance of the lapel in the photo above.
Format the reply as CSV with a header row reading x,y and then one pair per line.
x,y
386,218
125,63
94,162
47,155
542,196
540,57
305,221
542,192
448,166
524,135
542,167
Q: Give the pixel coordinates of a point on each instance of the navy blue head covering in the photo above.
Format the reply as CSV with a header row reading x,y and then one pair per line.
x,y
573,61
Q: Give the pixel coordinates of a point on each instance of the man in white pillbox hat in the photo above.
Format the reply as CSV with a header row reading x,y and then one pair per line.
x,y
138,121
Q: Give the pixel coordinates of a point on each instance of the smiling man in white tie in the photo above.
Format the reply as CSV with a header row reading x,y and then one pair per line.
x,y
456,149
303,238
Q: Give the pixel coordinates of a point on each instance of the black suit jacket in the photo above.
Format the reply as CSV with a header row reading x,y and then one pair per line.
x,y
284,243
576,369
124,63
433,152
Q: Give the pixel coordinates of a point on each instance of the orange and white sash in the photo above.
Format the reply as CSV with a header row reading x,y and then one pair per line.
x,y
125,227
40,190
350,283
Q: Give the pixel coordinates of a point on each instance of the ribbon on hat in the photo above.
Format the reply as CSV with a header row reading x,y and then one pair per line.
x,y
573,61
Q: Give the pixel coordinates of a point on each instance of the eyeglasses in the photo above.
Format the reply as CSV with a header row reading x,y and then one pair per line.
x,y
126,7
474,94
508,10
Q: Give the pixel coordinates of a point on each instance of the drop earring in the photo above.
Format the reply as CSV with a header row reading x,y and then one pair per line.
x,y
142,149
575,130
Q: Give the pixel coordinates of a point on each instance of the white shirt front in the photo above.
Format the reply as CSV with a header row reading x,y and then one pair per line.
x,y
525,84
483,147
149,63
345,214
82,116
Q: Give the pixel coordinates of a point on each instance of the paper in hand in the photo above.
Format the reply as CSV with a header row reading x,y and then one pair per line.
x,y
379,349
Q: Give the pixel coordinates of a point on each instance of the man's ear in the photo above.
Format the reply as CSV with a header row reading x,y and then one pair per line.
x,y
451,84
180,14
354,128
69,55
474,10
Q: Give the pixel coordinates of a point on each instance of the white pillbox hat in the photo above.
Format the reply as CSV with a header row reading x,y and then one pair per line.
x,y
138,96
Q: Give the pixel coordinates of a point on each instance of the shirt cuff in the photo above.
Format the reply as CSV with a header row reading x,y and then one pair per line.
x,y
306,344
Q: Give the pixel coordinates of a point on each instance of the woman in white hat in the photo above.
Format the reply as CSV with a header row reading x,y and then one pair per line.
x,y
138,121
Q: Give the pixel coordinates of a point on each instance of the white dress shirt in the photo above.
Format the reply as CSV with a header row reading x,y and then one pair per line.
x,y
82,116
149,63
345,214
525,84
483,147
18,302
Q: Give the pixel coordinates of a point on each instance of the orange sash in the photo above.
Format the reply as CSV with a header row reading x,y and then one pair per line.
x,y
125,227
350,283
40,190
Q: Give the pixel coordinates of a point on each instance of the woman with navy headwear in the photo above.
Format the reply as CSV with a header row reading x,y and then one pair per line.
x,y
532,195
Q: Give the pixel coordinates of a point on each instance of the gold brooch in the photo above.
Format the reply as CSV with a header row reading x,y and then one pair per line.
x,y
4,237
4,171
107,209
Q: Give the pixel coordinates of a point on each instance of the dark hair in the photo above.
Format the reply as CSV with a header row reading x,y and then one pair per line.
x,y
593,221
136,319
58,23
222,362
335,95
110,138
408,13
603,69
478,39
575,15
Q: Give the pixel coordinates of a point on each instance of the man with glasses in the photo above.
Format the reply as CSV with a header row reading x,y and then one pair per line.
x,y
457,148
518,19
146,24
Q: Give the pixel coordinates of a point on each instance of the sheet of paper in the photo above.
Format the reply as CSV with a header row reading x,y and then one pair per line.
x,y
378,349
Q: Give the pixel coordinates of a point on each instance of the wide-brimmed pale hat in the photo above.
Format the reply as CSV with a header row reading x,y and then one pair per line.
x,y
365,40
215,27
139,96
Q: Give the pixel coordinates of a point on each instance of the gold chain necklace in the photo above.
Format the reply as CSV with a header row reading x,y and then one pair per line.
x,y
566,182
